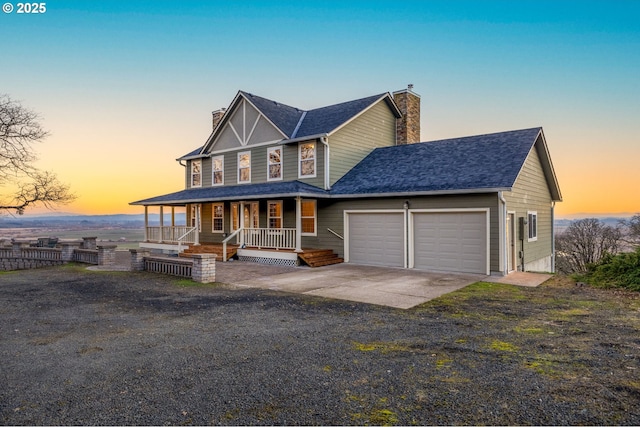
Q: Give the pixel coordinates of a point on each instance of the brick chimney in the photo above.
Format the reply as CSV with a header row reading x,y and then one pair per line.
x,y
217,116
408,126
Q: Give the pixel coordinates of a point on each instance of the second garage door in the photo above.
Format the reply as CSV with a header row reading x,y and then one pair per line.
x,y
377,238
450,241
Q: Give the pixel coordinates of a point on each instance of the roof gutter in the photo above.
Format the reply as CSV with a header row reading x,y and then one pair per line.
x,y
304,138
503,234
420,193
327,156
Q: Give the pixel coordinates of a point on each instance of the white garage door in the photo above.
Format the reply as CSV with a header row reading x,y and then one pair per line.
x,y
376,238
450,241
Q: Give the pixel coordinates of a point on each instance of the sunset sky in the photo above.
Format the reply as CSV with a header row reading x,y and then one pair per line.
x,y
126,87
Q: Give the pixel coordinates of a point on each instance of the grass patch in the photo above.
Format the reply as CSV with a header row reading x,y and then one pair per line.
x,y
189,283
382,347
503,346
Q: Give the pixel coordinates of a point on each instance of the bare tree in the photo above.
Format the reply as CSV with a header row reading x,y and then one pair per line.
x,y
631,228
585,242
19,131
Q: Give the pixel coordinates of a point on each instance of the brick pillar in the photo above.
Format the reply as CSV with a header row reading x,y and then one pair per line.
x,y
107,254
89,242
137,258
16,248
204,268
67,250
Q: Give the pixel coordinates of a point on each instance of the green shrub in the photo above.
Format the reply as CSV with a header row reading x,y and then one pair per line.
x,y
619,271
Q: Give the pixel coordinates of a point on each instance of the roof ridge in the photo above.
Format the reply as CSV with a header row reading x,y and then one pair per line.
x,y
295,131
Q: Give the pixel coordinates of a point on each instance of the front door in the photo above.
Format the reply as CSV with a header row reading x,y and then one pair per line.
x,y
250,214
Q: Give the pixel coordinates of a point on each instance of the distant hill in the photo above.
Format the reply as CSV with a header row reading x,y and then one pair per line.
x,y
64,220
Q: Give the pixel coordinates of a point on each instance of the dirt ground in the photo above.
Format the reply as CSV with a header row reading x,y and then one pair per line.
x,y
94,347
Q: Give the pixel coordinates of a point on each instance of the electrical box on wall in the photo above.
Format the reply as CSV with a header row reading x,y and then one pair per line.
x,y
521,223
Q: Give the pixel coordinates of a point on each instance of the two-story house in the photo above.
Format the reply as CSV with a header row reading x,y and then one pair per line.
x,y
274,183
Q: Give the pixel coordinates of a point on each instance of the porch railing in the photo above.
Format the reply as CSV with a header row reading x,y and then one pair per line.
x,y
172,234
271,238
225,241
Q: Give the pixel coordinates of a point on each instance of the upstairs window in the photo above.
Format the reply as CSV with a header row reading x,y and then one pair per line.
x,y
274,214
307,157
244,167
217,165
196,173
308,216
218,218
532,219
274,164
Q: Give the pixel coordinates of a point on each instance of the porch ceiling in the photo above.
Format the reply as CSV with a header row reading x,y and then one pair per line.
x,y
235,192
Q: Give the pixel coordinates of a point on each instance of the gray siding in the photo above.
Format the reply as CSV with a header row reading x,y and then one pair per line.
x,y
259,166
374,128
531,193
250,126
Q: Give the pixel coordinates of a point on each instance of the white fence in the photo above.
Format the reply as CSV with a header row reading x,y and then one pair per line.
x,y
271,238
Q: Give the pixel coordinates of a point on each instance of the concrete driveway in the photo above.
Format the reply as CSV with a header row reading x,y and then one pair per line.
x,y
394,287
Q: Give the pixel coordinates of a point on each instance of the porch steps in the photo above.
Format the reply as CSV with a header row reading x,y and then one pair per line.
x,y
210,249
319,257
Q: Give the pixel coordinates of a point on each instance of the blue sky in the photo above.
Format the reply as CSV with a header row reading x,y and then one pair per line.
x,y
125,87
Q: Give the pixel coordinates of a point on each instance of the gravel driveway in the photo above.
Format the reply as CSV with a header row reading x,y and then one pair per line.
x,y
88,347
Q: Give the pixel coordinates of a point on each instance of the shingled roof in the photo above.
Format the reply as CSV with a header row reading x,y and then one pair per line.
x,y
242,191
485,162
296,123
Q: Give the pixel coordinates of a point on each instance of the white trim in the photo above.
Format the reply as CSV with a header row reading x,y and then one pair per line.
x,y
226,150
534,238
213,217
279,202
231,225
213,171
373,211
241,153
191,173
269,150
315,160
513,234
315,217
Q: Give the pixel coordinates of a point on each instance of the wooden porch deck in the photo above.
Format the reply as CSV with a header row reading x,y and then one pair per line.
x,y
310,256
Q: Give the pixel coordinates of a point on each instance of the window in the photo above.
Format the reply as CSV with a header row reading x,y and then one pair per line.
x,y
235,217
274,214
274,164
244,167
532,219
217,165
308,216
307,167
218,218
196,175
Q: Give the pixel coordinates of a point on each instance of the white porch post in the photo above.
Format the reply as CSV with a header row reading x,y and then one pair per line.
x,y
197,239
161,223
298,248
173,223
241,222
146,223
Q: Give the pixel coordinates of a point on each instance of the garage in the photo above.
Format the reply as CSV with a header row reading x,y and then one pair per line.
x,y
376,238
449,241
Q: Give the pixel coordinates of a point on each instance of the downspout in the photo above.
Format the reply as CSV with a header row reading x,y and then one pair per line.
x,y
553,237
325,140
503,234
